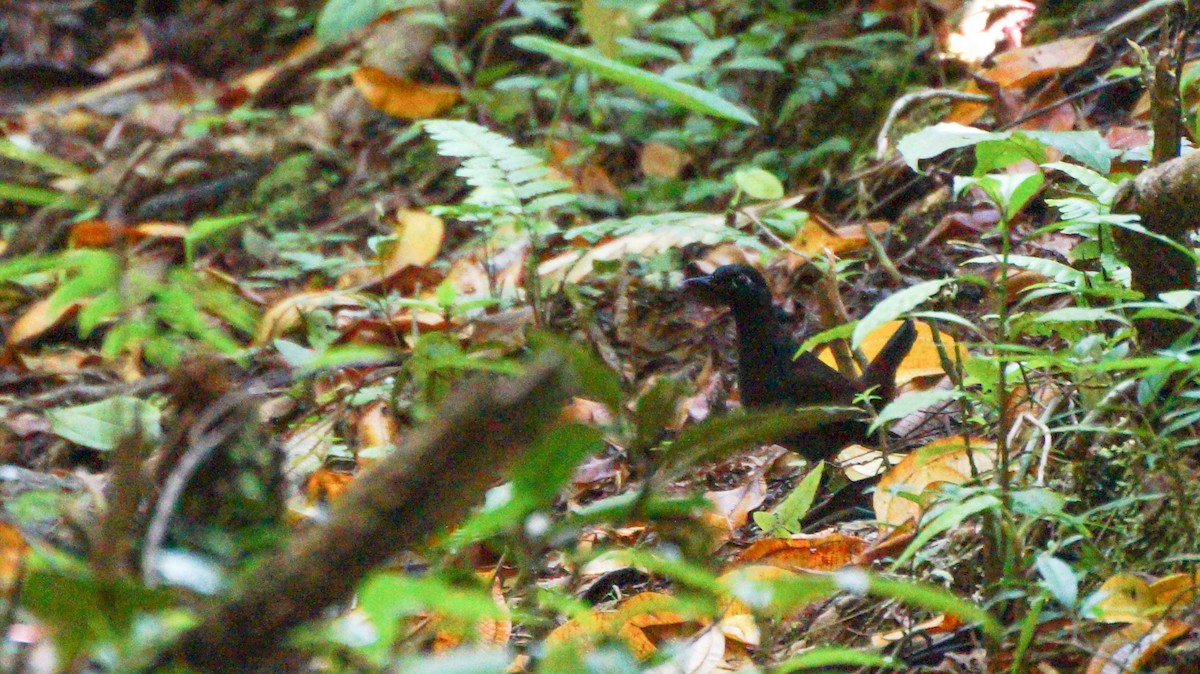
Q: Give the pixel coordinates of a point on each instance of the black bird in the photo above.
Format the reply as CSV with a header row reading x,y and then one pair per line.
x,y
771,374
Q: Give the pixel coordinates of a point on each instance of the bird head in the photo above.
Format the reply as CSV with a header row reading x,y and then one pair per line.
x,y
733,285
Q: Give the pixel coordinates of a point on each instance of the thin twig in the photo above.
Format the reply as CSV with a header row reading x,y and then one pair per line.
x,y
908,100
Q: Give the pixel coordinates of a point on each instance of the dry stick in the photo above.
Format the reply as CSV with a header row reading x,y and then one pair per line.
x,y
833,313
439,471
908,100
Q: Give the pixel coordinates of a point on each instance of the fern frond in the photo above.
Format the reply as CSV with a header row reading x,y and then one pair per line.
x,y
504,176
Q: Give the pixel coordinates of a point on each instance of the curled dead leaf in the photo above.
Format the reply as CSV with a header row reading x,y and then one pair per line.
x,y
39,318
1133,646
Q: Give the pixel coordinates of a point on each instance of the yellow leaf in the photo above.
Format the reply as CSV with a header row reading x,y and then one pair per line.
x,y
418,240
1126,599
922,361
287,313
939,462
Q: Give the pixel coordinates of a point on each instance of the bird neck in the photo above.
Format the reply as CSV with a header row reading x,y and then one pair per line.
x,y
765,351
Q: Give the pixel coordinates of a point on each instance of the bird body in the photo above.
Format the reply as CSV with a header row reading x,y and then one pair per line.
x,y
772,374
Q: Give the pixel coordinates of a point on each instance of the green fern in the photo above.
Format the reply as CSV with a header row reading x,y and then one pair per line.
x,y
505,178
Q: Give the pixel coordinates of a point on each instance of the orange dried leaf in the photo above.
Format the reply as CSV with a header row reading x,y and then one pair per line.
x,y
815,238
1174,591
1022,67
401,97
159,230
582,410
287,313
1125,598
128,51
593,179
94,233
819,552
376,425
13,549
324,485
968,112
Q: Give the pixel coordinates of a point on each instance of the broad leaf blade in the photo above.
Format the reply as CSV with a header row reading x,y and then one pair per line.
x,y
684,95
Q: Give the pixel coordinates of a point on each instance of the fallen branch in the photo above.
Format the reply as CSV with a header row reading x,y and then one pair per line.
x,y
439,471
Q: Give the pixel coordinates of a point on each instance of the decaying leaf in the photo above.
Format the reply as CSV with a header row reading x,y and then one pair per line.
x,y
40,317
1132,646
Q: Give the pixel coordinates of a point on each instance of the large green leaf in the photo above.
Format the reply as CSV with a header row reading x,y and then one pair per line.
x,y
684,95
103,425
339,17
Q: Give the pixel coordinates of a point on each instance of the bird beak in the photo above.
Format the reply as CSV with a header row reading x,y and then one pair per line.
x,y
704,290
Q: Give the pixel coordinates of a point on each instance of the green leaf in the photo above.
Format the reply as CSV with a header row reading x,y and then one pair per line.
x,y
1056,271
934,140
1102,188
1037,502
1058,578
1088,147
947,519
796,505
896,306
340,17
386,598
991,155
592,377
348,355
551,461
82,608
208,228
103,425
923,595
40,196
462,660
1078,315
910,403
684,95
43,160
758,184
717,436
1010,191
